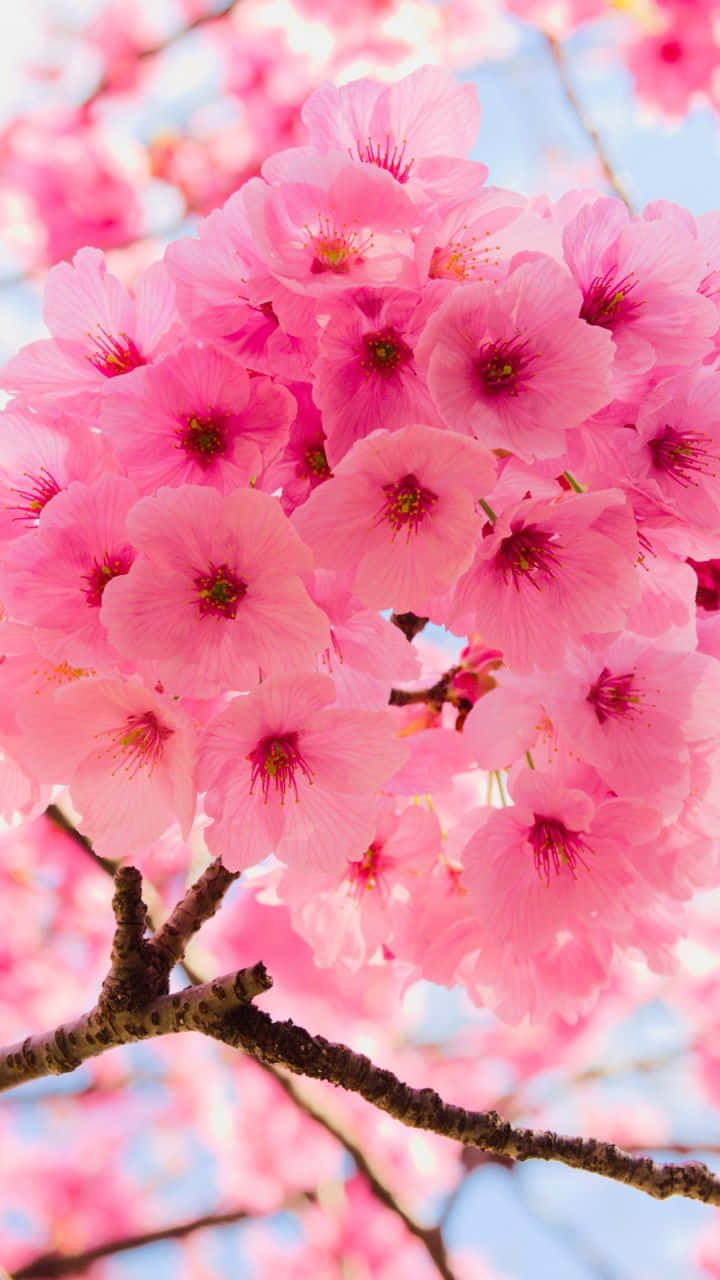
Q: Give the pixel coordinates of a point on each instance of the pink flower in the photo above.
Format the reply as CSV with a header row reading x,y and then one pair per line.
x,y
511,363
328,224
127,754
196,417
99,332
675,65
635,713
551,885
365,374
55,576
639,280
41,455
354,910
303,464
403,128
283,772
547,572
401,511
216,595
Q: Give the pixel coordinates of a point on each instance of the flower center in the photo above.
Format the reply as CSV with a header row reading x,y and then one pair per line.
x,y
679,453
203,438
707,594
671,51
112,565
555,847
41,488
407,503
528,554
364,874
114,355
274,763
140,742
606,301
336,249
219,591
387,155
502,367
384,352
316,461
613,696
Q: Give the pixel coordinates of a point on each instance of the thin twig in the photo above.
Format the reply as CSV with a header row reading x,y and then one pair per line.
x,y
556,52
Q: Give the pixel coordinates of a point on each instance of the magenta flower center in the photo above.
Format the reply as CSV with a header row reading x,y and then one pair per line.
x,y
114,355
387,155
203,438
707,594
671,51
141,742
528,554
336,249
407,503
555,847
612,697
40,489
365,873
680,453
275,762
384,352
607,300
112,565
502,367
219,591
316,461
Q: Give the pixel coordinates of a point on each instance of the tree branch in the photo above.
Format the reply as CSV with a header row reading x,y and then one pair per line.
x,y
50,1265
283,1043
199,904
592,135
409,623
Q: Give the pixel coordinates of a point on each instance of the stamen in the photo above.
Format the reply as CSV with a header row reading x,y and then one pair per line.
x,y
365,874
529,554
389,156
502,367
112,565
680,453
219,591
407,503
606,301
274,762
316,461
114,355
384,352
203,438
336,249
139,743
555,847
42,487
613,696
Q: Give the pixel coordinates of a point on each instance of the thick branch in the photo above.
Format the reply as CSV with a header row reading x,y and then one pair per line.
x,y
592,135
435,696
283,1043
200,903
200,1008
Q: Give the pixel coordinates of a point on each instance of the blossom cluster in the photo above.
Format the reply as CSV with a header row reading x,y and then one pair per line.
x,y
374,383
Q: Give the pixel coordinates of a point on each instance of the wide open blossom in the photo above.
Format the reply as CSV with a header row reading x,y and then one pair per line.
x,y
126,753
512,364
401,509
547,572
553,883
416,129
639,280
328,224
196,417
55,576
365,374
216,595
99,332
41,455
285,772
